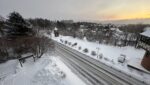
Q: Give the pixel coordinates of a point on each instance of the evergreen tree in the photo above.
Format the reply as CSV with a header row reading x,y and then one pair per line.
x,y
17,25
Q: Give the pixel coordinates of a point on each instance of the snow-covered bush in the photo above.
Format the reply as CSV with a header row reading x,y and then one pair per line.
x,y
93,53
106,59
112,61
86,50
69,43
79,48
66,41
75,44
100,56
61,40
62,74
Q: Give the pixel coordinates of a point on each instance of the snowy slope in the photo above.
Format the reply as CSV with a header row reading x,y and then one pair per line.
x,y
48,70
8,68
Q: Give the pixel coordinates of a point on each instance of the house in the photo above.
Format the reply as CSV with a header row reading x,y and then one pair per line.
x,y
144,42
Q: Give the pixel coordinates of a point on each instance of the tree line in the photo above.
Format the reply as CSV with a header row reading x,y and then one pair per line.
x,y
18,37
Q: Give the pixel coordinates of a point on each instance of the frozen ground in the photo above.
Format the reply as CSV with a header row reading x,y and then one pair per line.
x,y
11,68
48,70
109,55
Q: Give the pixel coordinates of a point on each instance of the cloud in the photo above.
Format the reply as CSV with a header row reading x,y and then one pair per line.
x,y
74,9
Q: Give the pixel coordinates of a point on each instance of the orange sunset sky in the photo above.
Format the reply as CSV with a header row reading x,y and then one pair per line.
x,y
78,9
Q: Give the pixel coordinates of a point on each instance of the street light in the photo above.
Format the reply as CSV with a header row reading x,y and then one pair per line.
x,y
98,51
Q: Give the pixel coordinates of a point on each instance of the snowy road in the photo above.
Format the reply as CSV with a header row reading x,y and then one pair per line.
x,y
95,72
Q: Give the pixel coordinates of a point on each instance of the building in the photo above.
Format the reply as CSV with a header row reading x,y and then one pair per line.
x,y
56,33
144,42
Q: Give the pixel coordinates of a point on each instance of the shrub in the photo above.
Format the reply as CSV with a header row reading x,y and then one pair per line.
x,y
112,61
69,43
61,40
106,59
100,56
66,42
93,53
75,44
79,48
86,50
62,74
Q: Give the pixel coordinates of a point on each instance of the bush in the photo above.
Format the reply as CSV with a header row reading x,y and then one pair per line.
x,y
79,48
93,53
106,59
61,40
113,61
75,44
69,43
100,56
86,50
66,42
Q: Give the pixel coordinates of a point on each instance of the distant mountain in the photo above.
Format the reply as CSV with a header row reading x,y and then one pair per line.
x,y
2,18
129,21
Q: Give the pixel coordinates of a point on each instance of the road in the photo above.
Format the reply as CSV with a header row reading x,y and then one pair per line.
x,y
92,71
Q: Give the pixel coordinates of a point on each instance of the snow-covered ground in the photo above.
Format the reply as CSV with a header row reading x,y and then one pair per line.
x,y
11,68
110,55
48,70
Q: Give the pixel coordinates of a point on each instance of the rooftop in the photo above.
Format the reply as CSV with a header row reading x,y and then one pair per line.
x,y
146,32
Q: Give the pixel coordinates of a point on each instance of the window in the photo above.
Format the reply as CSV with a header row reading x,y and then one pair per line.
x,y
145,40
147,54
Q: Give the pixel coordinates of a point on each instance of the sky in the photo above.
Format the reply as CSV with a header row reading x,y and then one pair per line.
x,y
78,10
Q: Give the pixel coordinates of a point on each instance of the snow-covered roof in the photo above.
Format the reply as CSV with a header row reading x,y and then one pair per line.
x,y
55,28
118,30
146,32
112,28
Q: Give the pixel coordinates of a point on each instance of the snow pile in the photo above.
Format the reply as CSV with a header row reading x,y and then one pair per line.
x,y
71,78
146,32
109,55
51,74
8,68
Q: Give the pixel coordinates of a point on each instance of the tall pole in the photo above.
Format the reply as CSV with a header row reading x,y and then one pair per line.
x,y
98,51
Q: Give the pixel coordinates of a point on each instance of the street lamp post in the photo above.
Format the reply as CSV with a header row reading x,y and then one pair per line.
x,y
98,52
